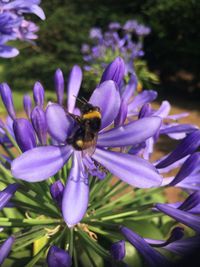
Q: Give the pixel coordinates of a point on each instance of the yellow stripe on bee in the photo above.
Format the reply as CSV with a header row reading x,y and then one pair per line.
x,y
91,115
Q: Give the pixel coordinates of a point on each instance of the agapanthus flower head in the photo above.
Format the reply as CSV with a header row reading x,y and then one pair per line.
x,y
13,25
86,138
116,41
79,145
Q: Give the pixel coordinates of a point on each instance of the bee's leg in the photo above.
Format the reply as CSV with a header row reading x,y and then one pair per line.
x,y
75,117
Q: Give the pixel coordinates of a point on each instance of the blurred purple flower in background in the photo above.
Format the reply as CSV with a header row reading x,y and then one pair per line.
x,y
13,25
120,40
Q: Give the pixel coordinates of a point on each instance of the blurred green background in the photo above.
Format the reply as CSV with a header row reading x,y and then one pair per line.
x,y
171,50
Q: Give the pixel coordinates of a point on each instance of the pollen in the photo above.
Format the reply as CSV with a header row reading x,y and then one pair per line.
x,y
79,143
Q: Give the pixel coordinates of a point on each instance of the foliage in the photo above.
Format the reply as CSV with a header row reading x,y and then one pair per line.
x,y
174,24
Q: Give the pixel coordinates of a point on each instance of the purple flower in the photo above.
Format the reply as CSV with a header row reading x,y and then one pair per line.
x,y
110,42
39,123
7,126
7,194
130,25
95,33
177,244
189,167
118,251
187,146
185,217
114,71
176,234
56,190
38,94
59,85
13,26
24,134
151,256
27,102
5,248
58,257
7,99
184,247
60,126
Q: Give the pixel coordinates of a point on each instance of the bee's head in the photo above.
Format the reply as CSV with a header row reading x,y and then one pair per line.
x,y
87,108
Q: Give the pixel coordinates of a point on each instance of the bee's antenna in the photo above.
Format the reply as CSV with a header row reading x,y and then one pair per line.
x,y
84,99
80,100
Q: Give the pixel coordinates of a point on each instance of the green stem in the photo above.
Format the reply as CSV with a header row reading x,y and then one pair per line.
x,y
99,186
13,141
75,258
97,248
5,171
8,222
8,151
71,241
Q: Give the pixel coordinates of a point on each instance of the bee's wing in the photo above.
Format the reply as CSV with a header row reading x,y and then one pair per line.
x,y
90,147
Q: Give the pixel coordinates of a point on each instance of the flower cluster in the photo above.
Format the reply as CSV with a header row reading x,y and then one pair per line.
x,y
125,41
78,171
13,25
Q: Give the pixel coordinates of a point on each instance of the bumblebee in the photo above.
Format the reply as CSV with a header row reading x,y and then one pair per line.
x,y
85,134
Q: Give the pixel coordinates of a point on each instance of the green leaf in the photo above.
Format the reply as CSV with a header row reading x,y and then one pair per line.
x,y
132,257
144,228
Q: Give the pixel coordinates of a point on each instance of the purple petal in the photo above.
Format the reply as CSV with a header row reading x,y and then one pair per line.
x,y
27,102
73,87
7,194
191,182
130,134
118,251
8,51
38,119
59,85
59,124
164,110
24,134
6,248
38,94
57,257
56,190
40,163
187,146
185,246
7,99
141,99
129,168
126,95
176,234
191,165
184,217
178,116
114,71
171,167
145,111
37,11
152,257
180,128
76,194
191,202
107,98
